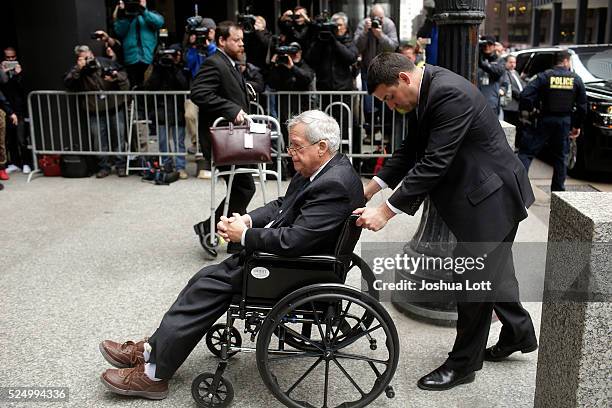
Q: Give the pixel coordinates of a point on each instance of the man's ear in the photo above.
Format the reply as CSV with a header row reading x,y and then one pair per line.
x,y
403,76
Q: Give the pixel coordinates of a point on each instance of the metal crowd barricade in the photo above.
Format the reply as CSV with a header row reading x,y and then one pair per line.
x,y
129,124
124,124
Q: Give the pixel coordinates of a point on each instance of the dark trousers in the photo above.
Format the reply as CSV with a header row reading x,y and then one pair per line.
x,y
554,131
17,144
136,73
206,297
474,315
243,189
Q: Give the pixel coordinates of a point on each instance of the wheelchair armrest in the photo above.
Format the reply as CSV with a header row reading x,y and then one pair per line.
x,y
264,256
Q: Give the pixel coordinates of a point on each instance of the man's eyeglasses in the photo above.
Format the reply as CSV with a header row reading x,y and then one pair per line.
x,y
293,150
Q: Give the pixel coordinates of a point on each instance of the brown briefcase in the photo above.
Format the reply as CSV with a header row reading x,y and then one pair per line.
x,y
237,145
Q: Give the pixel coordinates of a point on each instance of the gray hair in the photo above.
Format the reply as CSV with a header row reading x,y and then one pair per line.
x,y
81,48
319,126
340,15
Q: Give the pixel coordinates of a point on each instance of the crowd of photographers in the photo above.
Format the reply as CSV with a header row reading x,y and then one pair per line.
x,y
309,53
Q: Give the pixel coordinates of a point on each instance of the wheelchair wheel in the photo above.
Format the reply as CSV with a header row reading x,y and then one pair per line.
x,y
204,396
215,337
332,370
348,326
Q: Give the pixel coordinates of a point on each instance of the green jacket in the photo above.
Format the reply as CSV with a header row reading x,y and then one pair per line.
x,y
139,36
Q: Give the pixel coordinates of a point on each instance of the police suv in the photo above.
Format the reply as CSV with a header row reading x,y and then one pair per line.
x,y
593,63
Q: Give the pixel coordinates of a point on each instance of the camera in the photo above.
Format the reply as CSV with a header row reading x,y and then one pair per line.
x,y
96,36
325,27
132,8
376,22
11,65
194,26
247,22
283,51
166,57
91,65
107,71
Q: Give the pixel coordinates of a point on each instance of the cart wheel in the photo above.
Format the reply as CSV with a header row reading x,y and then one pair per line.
x,y
216,241
201,390
215,337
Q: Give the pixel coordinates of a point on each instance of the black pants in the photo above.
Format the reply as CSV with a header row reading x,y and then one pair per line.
x,y
474,317
206,297
243,189
136,73
17,144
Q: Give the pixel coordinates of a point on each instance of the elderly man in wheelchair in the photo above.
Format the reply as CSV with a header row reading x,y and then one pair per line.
x,y
311,330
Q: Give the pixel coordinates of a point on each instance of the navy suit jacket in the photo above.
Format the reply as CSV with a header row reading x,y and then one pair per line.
x,y
309,219
457,154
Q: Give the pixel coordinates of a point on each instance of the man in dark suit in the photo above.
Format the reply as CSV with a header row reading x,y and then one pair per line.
x,y
219,90
456,153
307,221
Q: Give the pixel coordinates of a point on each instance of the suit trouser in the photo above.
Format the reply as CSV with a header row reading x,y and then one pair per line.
x,y
474,316
2,139
206,297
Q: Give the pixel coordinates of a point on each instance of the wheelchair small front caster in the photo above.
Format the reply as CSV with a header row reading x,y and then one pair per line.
x,y
209,395
215,337
215,243
389,391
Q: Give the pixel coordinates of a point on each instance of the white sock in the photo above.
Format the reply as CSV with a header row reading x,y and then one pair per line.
x,y
149,370
147,352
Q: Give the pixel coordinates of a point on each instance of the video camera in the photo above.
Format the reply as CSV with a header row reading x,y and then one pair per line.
x,y
166,57
283,51
376,22
247,20
132,8
194,26
324,26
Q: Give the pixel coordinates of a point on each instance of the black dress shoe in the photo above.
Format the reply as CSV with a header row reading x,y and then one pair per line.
x,y
444,378
499,353
202,229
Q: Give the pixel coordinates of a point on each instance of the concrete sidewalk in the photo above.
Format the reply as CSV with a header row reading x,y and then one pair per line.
x,y
85,260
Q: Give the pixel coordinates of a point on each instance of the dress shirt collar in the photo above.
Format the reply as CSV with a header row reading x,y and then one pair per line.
x,y
419,94
228,57
319,169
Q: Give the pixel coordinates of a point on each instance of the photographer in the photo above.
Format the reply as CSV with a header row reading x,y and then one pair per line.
x,y
112,46
199,42
257,41
490,72
374,35
11,85
169,115
137,27
252,74
6,114
332,55
101,74
296,26
289,72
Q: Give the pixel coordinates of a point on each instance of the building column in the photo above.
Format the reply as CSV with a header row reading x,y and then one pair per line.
x,y
600,25
580,21
608,38
555,24
534,37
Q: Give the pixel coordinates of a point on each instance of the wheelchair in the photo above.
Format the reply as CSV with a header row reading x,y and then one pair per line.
x,y
316,337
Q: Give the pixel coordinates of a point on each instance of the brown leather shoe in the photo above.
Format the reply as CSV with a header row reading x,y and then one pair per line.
x,y
134,382
128,354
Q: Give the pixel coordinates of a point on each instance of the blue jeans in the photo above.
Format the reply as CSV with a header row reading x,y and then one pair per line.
x,y
553,130
177,134
108,131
